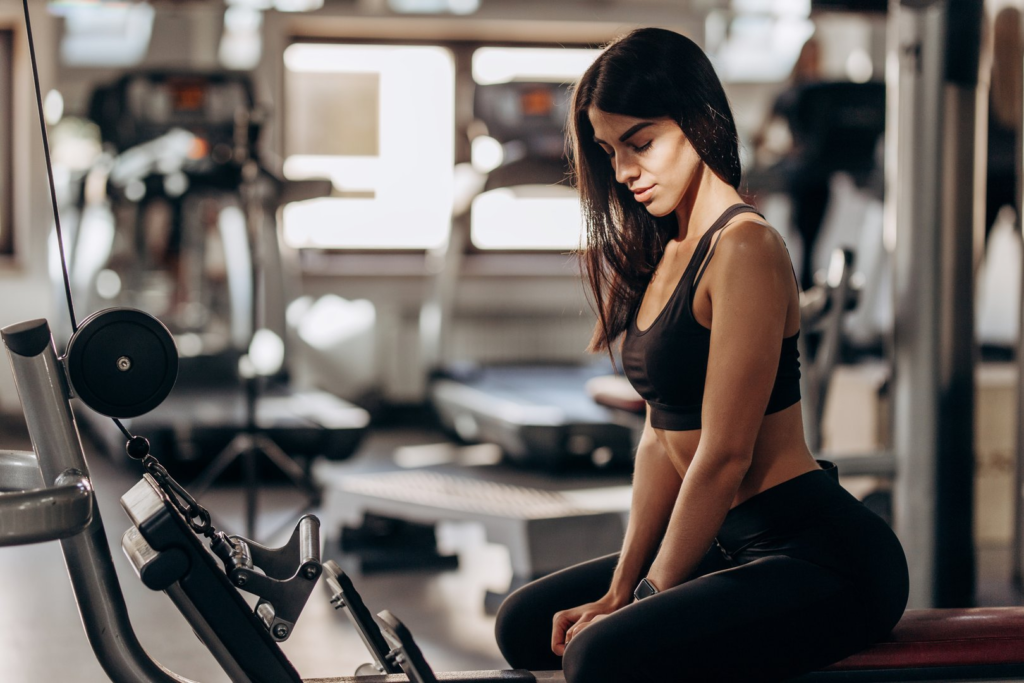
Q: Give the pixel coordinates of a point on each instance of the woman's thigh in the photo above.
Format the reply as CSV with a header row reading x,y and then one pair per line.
x,y
524,623
768,620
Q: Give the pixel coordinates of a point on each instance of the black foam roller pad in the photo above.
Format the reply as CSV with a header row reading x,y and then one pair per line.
x,y
27,338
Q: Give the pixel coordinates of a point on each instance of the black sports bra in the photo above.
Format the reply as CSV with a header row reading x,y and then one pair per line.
x,y
668,362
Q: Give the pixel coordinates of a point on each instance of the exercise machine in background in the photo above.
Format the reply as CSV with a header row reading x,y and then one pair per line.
x,y
178,218
538,414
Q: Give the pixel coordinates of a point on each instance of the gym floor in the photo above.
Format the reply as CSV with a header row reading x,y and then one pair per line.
x,y
41,636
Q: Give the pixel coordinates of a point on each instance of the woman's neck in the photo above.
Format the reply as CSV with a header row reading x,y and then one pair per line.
x,y
702,204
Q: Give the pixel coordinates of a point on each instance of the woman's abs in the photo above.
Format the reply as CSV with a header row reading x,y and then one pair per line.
x,y
780,452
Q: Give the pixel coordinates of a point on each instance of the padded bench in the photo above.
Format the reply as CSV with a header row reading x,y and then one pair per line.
x,y
940,645
927,645
194,424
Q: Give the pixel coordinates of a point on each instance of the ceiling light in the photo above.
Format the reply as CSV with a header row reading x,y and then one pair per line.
x,y
434,6
298,5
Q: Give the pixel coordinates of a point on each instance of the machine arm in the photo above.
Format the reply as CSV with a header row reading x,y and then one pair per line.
x,y
32,513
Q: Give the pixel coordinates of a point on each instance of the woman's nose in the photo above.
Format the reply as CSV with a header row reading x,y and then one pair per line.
x,y
625,171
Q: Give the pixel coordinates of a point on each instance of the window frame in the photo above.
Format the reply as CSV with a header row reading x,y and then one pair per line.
x,y
462,55
341,40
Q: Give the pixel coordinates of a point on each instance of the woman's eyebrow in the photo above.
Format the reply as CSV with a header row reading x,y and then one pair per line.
x,y
628,134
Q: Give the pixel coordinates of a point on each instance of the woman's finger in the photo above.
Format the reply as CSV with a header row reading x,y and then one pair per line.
x,y
577,628
567,634
583,624
561,622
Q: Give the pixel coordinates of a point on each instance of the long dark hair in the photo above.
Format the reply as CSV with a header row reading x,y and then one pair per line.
x,y
649,73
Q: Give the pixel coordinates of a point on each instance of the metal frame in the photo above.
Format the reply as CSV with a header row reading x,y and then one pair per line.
x,y
823,309
42,386
30,511
930,198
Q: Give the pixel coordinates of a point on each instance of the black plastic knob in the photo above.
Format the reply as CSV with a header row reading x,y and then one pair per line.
x,y
137,447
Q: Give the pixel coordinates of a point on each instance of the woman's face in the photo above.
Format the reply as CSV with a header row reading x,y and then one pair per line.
x,y
651,157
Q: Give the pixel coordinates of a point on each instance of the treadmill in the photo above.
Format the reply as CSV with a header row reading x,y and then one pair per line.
x,y
540,414
171,230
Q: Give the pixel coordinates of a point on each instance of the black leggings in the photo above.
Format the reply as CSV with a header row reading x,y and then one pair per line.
x,y
801,575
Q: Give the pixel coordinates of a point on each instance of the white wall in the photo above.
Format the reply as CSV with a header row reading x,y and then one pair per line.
x,y
24,292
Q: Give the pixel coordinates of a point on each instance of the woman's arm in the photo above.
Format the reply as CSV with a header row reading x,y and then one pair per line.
x,y
655,489
656,483
749,288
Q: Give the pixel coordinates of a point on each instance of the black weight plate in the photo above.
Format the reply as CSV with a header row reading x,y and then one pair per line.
x,y
105,338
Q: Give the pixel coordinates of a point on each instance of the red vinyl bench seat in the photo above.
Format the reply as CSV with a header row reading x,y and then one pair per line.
x,y
940,645
947,637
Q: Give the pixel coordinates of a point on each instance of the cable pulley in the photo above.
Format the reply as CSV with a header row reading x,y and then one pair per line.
x,y
122,362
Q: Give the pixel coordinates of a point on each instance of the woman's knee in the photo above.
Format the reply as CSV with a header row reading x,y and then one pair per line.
x,y
524,621
523,631
511,614
596,656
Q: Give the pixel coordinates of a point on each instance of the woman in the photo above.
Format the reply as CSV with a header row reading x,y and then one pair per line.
x,y
806,173
743,560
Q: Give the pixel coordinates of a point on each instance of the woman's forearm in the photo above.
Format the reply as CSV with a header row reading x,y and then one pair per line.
x,y
656,484
703,502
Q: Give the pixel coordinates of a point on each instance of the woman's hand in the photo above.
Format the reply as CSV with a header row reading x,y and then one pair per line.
x,y
567,624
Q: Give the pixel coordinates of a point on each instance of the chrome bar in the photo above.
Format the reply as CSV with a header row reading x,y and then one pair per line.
x,y
41,384
19,471
46,514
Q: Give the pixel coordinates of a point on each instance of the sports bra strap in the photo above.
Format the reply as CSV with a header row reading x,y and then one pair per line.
x,y
732,211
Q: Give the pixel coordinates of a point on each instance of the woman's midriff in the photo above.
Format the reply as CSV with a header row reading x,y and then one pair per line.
x,y
780,452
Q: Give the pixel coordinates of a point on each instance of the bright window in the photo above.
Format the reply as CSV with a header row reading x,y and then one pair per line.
x,y
378,120
758,40
531,216
506,64
527,217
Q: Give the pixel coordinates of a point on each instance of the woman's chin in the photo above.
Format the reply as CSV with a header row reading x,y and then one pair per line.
x,y
656,209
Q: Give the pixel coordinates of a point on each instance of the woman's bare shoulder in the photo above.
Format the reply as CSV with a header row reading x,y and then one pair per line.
x,y
751,242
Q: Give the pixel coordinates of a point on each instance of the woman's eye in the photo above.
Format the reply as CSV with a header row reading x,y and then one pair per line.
x,y
643,148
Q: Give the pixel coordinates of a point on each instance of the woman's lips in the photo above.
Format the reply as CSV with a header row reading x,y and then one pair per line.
x,y
644,194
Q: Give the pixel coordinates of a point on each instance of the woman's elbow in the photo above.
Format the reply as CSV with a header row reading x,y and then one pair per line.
x,y
728,457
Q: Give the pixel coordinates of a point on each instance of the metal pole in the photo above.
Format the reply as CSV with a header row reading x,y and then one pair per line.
x,y
937,45
1017,572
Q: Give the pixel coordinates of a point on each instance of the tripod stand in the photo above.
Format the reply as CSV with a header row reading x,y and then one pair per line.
x,y
247,446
